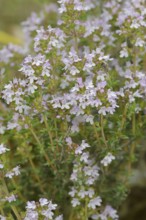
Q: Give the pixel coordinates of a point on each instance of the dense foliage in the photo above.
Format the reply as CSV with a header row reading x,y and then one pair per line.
x,y
72,111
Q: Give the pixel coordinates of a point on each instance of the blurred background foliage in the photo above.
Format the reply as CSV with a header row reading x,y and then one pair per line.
x,y
12,13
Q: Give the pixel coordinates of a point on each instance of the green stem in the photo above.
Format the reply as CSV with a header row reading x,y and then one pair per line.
x,y
56,135
55,124
123,118
86,210
35,175
133,145
41,147
2,211
95,131
102,130
133,132
76,41
19,193
48,130
50,137
71,215
12,206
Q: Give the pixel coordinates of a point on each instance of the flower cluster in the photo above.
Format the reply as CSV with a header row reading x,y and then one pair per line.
x,y
44,208
84,176
7,197
14,172
107,159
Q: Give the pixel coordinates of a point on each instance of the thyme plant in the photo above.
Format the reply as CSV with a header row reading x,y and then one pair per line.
x,y
72,111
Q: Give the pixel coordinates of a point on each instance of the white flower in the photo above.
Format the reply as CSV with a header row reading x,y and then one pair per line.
x,y
74,175
3,149
9,175
31,214
124,53
1,166
139,43
43,201
84,157
106,58
2,129
83,146
75,202
52,206
82,193
12,125
31,205
74,70
16,170
48,213
95,202
2,217
91,171
60,217
95,217
90,181
135,24
109,211
107,159
90,193
11,198
72,192
89,118
69,141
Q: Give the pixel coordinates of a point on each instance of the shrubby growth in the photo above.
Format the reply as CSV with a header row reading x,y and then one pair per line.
x,y
72,110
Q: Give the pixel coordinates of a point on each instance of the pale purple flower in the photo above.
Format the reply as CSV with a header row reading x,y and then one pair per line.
x,y
9,175
2,217
31,205
84,157
60,217
95,202
80,148
109,211
3,149
90,181
1,166
2,129
52,206
72,192
11,198
82,193
74,175
69,141
43,201
139,42
107,159
47,213
12,125
74,70
124,53
16,170
75,202
135,24
31,214
90,193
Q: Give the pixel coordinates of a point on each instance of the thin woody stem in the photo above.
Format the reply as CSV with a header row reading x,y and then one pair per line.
x,y
41,147
12,206
35,175
102,130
